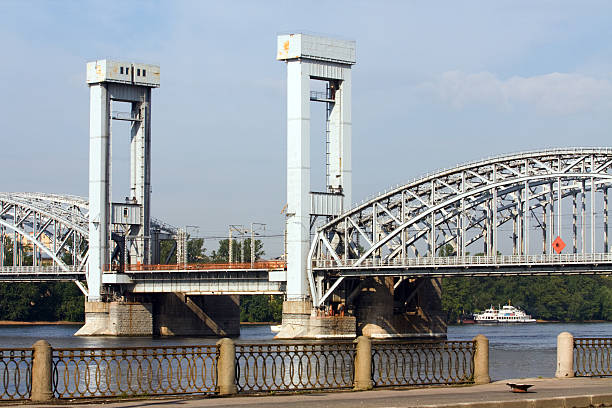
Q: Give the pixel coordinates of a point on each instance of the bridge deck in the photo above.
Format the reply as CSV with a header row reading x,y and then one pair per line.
x,y
183,278
270,277
545,264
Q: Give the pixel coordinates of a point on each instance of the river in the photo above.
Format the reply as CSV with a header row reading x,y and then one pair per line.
x,y
516,351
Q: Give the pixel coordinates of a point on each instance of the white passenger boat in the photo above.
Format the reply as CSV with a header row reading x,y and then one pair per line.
x,y
507,314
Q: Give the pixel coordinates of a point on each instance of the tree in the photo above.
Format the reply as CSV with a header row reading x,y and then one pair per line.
x,y
261,308
446,250
195,251
563,298
222,254
167,247
8,251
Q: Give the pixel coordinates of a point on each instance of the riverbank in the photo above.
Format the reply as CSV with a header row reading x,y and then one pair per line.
x,y
537,321
547,392
38,323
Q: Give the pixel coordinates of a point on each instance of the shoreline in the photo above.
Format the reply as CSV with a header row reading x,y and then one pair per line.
x,y
259,323
37,323
537,321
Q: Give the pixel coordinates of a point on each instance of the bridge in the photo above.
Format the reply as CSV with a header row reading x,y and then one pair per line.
x,y
467,208
372,268
55,229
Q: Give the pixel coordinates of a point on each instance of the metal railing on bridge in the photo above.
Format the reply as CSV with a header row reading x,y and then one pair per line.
x,y
465,261
29,269
262,265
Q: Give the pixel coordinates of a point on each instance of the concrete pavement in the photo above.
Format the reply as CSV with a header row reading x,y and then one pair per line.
x,y
546,392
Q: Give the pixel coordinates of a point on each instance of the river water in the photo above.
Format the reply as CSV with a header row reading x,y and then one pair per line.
x,y
515,351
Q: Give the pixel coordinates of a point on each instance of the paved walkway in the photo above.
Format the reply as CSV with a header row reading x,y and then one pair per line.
x,y
547,392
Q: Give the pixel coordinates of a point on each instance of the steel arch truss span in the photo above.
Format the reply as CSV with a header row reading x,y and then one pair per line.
x,y
496,216
43,236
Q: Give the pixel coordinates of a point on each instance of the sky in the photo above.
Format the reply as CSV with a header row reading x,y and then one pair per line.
x,y
436,84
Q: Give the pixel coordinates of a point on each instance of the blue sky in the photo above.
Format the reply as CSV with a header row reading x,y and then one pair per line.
x,y
436,84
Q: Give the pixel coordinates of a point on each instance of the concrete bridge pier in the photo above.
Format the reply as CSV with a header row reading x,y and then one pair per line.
x,y
377,307
165,314
388,308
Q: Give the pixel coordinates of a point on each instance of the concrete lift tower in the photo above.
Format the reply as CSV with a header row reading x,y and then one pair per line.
x,y
125,82
330,60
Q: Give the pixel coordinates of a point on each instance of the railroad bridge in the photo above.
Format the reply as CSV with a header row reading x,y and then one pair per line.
x,y
372,268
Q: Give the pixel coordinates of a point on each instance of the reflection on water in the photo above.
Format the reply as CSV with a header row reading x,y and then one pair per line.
x,y
516,351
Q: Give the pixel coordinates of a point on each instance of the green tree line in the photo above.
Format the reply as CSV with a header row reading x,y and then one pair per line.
x,y
563,298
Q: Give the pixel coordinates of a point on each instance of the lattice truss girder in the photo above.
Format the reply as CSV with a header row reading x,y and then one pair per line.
x,y
51,223
470,204
47,225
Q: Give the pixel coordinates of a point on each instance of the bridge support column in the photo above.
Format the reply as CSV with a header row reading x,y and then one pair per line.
x,y
117,319
298,177
166,314
99,187
412,309
378,307
302,321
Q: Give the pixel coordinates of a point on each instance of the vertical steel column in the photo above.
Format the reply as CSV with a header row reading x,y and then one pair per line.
x,y
15,249
230,248
462,215
374,226
458,233
432,234
77,246
485,233
404,232
494,205
559,200
551,218
298,177
340,124
592,214
519,219
140,175
99,194
514,229
1,246
544,247
242,247
583,218
74,252
54,240
526,212
605,198
34,236
574,222
346,239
